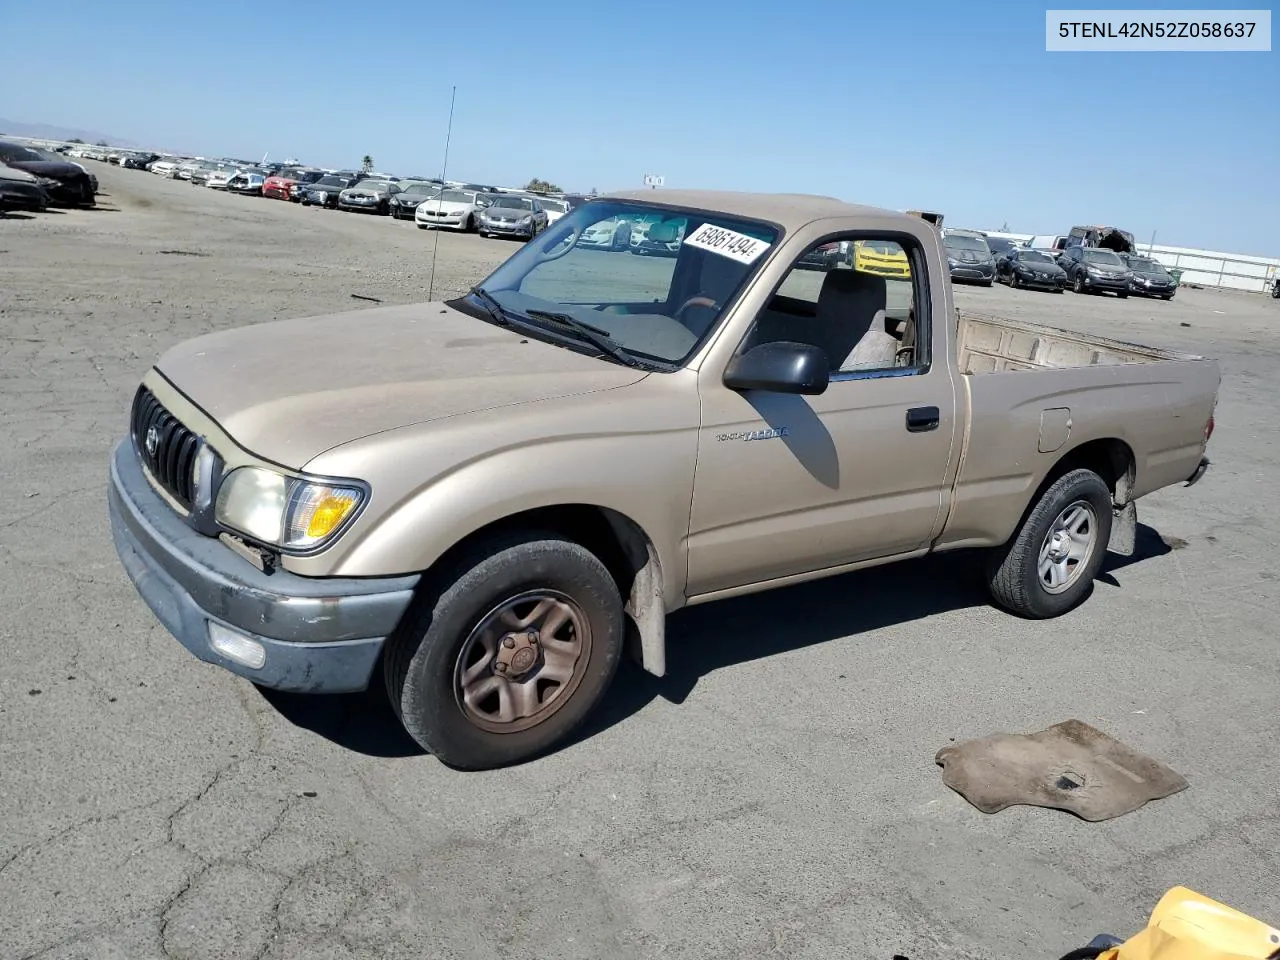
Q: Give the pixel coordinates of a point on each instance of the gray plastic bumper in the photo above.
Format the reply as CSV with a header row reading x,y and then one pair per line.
x,y
320,635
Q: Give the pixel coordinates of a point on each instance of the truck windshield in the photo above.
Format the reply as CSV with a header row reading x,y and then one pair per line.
x,y
652,303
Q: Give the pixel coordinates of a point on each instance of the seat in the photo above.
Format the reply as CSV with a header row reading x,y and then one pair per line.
x,y
717,280
850,324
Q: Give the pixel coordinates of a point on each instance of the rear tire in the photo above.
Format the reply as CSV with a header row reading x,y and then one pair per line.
x,y
444,649
1072,519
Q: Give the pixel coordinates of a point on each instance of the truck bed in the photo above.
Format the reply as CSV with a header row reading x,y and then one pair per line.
x,y
1060,390
988,344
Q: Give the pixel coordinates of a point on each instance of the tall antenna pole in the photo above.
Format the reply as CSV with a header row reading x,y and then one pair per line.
x,y
444,168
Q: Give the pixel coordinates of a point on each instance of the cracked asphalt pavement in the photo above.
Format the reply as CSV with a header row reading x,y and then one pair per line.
x,y
775,795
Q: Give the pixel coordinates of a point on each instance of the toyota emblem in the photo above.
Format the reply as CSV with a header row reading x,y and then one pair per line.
x,y
153,441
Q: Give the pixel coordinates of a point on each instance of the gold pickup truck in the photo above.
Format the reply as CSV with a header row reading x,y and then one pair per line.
x,y
486,502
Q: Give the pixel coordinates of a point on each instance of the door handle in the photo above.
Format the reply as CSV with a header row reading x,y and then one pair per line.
x,y
920,419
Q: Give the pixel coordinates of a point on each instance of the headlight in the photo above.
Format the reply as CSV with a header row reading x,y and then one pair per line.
x,y
526,220
951,262
48,182
286,511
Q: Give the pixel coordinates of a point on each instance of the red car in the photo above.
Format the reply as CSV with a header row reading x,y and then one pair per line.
x,y
282,185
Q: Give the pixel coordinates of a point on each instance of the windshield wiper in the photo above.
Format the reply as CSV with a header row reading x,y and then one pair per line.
x,y
594,335
491,306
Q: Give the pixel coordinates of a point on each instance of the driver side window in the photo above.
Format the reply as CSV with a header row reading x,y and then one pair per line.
x,y
855,298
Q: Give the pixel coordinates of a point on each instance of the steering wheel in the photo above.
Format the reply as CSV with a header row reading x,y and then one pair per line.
x,y
695,301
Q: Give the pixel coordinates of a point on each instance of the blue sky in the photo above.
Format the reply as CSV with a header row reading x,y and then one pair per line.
x,y
952,107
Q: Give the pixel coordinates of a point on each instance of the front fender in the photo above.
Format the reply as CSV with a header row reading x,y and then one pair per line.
x,y
418,511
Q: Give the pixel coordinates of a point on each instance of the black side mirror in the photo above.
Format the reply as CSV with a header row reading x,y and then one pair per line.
x,y
782,367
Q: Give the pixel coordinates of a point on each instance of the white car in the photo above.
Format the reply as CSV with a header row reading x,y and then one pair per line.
x,y
611,234
219,178
555,208
455,209
165,168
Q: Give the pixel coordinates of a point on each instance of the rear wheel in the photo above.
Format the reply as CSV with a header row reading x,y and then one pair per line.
x,y
1049,565
508,652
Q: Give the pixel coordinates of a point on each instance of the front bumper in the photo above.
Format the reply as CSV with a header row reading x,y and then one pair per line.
x,y
973,271
359,204
454,221
1046,283
650,248
321,635
507,229
1106,283
1152,290
18,195
71,191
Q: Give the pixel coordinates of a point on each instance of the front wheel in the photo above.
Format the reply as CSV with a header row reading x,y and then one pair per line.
x,y
508,652
1077,285
1122,294
1049,565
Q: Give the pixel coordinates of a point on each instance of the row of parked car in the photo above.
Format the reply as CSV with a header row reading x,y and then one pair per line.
x,y
430,202
32,179
1088,260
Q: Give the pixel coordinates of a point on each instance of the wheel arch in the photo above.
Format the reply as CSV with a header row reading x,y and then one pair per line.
x,y
621,544
1109,457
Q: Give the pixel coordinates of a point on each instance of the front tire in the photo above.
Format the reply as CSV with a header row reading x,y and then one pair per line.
x,y
507,653
1049,565
1077,284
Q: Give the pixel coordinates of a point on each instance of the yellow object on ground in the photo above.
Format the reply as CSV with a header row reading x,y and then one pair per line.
x,y
1188,926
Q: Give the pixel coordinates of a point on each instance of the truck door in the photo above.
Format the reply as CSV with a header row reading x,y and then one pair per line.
x,y
786,484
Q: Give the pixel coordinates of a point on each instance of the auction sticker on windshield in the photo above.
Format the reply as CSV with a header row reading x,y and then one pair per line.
x,y
727,243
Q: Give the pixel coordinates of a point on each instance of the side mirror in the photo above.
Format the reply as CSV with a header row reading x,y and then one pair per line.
x,y
782,367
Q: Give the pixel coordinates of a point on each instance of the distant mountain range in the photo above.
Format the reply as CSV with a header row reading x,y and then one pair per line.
x,y
49,131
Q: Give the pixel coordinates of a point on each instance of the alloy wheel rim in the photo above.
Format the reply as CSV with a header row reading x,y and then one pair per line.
x,y
1067,547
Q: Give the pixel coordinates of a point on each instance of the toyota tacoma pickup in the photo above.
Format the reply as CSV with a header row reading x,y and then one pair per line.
x,y
484,503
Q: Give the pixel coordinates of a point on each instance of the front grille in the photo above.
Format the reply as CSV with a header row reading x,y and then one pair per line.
x,y
172,455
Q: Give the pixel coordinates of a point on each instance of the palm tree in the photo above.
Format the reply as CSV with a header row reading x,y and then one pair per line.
x,y
366,164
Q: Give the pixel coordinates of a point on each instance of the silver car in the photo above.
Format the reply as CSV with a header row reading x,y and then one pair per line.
x,y
374,195
512,215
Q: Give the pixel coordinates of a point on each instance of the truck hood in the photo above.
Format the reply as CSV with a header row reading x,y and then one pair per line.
x,y
291,389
